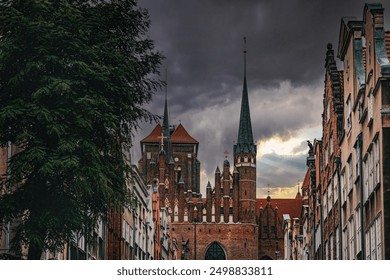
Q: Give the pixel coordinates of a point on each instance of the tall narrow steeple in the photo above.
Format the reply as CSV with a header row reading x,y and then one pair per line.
x,y
165,126
245,136
245,160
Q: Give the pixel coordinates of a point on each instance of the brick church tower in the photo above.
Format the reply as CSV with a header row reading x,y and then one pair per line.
x,y
221,225
245,160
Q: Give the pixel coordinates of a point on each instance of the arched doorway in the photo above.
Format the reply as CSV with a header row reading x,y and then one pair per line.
x,y
215,252
265,257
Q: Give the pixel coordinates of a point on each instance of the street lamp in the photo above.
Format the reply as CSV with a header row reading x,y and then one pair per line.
x,y
195,221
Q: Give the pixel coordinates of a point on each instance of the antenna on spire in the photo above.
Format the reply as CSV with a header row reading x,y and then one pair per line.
x,y
268,189
244,56
298,185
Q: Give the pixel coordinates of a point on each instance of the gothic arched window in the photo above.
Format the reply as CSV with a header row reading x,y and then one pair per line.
x,y
215,252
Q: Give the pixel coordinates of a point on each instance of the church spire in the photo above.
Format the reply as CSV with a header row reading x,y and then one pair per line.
x,y
165,126
245,136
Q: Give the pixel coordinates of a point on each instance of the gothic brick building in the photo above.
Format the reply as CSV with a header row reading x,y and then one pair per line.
x,y
224,224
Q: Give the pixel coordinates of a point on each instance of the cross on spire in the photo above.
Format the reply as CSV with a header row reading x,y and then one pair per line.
x,y
162,137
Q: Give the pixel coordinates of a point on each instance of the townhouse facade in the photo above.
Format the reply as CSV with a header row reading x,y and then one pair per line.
x,y
348,199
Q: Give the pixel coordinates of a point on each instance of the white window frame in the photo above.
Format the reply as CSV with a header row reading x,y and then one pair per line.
x,y
377,162
366,191
352,238
358,230
330,199
370,172
378,230
343,187
345,243
373,242
368,245
331,246
349,115
324,205
335,188
350,175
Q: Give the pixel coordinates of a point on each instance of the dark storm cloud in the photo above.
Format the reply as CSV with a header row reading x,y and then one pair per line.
x,y
203,45
273,169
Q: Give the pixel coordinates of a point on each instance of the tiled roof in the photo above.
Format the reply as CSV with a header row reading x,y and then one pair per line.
x,y
180,135
290,206
153,136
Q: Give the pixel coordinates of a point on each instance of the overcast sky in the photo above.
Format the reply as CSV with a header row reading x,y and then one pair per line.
x,y
286,43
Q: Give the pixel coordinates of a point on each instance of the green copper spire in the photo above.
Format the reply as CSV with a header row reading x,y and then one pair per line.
x,y
245,136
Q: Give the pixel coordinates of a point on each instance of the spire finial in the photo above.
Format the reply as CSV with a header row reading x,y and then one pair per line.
x,y
245,143
244,56
166,84
268,189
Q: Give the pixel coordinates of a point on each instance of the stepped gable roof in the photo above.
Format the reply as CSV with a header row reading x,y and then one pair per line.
x,y
180,135
154,135
291,206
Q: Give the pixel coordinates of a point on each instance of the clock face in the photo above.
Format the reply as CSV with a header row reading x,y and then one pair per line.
x,y
176,159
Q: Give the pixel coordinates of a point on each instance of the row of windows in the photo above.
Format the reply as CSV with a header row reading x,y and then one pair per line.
x,y
352,239
371,172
